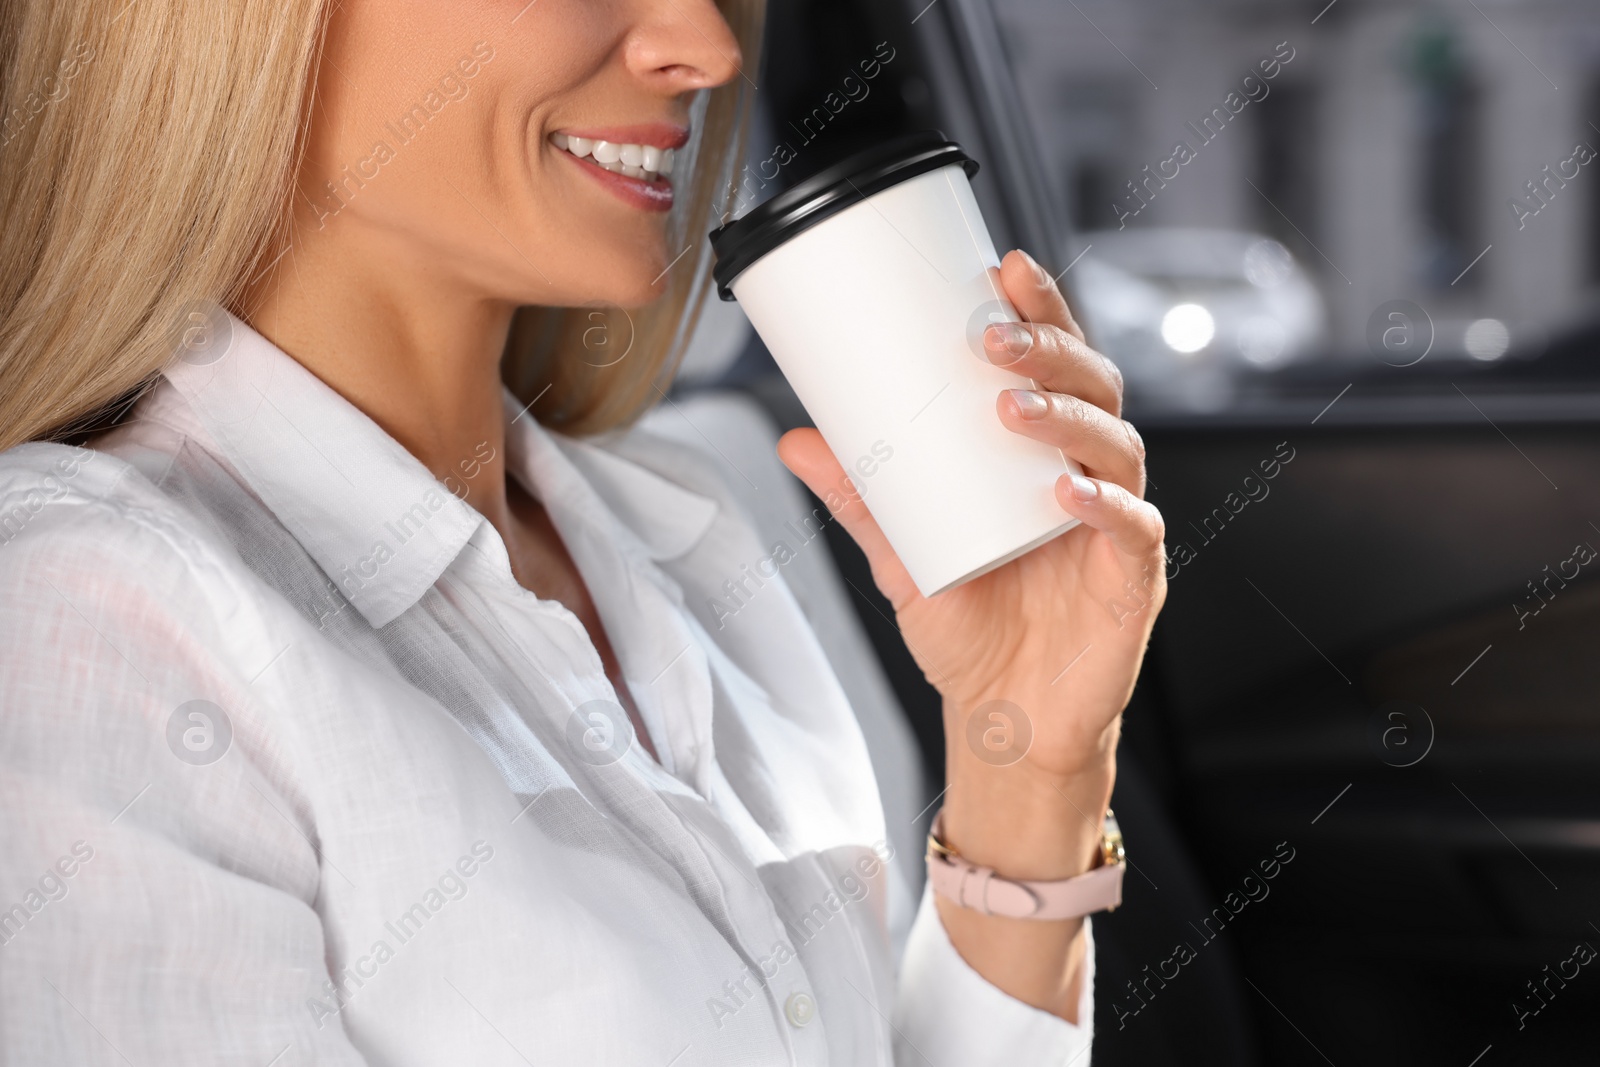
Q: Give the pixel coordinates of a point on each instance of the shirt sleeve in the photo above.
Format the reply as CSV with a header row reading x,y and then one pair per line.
x,y
948,1015
157,905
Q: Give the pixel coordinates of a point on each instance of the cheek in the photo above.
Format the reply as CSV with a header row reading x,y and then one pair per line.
x,y
457,166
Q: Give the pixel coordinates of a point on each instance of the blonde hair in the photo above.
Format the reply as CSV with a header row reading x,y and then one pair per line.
x,y
148,153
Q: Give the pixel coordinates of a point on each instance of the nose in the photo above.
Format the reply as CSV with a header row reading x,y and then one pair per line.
x,y
683,45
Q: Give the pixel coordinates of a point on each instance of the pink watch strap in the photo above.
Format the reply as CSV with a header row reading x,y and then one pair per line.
x,y
981,889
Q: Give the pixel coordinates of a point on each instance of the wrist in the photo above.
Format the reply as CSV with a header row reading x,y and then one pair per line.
x,y
1026,823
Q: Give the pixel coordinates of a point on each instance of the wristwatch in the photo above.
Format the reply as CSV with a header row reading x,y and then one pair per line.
x,y
981,889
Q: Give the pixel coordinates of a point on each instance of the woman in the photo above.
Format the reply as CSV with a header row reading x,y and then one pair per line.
x,y
358,706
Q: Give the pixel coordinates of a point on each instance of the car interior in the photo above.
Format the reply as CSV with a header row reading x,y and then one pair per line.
x,y
1372,676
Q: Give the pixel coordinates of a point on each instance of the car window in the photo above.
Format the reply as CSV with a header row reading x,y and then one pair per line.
x,y
1274,200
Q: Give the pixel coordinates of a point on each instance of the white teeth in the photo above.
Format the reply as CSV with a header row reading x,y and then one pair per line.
x,y
644,162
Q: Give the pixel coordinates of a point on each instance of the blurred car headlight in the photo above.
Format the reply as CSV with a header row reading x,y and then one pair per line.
x,y
1188,328
1183,312
1487,339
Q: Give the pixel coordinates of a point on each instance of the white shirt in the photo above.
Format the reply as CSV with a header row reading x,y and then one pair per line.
x,y
294,771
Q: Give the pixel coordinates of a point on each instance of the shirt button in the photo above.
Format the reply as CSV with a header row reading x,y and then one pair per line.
x,y
800,1008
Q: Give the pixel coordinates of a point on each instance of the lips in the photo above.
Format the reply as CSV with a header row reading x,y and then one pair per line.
x,y
634,162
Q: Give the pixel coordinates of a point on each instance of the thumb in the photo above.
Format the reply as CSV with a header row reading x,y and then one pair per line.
x,y
808,457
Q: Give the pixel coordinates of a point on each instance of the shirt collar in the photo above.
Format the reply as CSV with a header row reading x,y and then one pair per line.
x,y
369,513
663,519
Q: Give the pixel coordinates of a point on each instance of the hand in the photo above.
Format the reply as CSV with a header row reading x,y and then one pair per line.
x,y
1087,598
1058,634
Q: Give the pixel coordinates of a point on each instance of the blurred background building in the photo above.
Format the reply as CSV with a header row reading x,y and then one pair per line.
x,y
1386,155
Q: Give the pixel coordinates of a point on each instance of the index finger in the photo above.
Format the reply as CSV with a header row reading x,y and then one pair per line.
x,y
1035,294
1038,300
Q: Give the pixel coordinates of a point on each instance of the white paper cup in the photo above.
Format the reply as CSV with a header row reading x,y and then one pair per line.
x,y
871,284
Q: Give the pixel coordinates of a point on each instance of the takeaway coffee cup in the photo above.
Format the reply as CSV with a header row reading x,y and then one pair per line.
x,y
871,283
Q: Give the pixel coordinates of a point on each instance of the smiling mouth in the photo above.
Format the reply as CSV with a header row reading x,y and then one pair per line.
x,y
642,162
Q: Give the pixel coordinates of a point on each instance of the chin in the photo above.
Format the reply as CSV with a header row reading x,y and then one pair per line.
x,y
631,287
620,270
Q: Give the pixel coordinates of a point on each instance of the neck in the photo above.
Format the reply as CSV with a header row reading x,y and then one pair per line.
x,y
420,360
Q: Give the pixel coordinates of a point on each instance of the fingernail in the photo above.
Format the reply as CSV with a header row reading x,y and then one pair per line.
x,y
1032,405
1008,340
1040,278
1084,489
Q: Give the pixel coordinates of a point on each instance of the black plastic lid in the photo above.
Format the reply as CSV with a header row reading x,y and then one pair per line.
x,y
826,193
